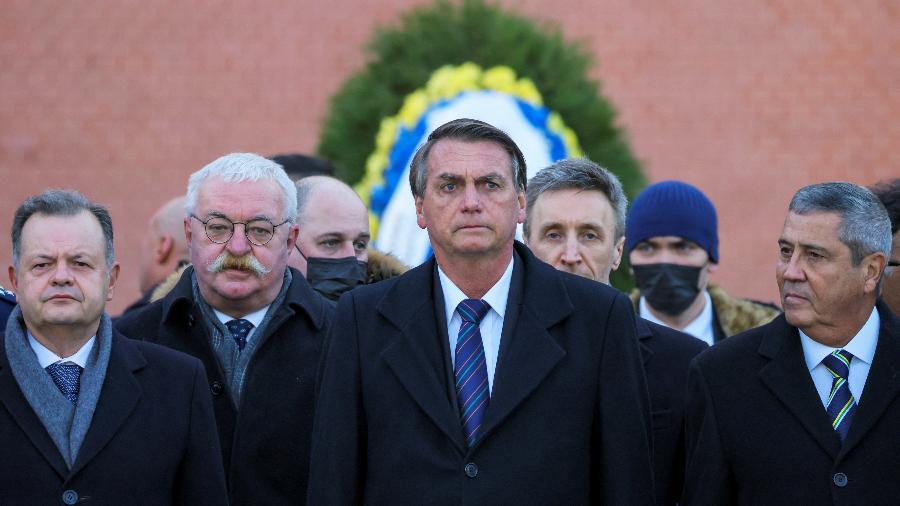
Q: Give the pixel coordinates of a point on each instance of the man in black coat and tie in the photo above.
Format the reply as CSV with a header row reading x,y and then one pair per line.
x,y
483,376
576,222
257,325
87,415
805,409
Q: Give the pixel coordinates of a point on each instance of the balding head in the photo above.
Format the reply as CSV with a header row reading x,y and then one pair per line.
x,y
164,246
334,222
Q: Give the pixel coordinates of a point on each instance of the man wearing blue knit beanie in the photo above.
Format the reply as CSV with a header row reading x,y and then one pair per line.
x,y
673,246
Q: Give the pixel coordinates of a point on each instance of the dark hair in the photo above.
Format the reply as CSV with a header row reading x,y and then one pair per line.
x,y
298,166
61,203
865,226
888,192
577,174
469,130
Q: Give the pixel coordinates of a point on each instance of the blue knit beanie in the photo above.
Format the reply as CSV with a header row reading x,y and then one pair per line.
x,y
673,208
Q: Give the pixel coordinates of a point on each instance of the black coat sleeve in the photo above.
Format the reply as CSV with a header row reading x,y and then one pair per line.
x,y
337,462
622,468
708,479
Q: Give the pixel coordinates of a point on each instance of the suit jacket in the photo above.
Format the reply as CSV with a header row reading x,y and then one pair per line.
x,y
265,441
567,421
151,440
757,432
667,355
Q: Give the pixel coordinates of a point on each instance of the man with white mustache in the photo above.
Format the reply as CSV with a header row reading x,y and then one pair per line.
x,y
257,325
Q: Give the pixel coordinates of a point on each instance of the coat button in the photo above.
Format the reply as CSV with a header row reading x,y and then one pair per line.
x,y
70,497
216,388
840,479
190,321
471,470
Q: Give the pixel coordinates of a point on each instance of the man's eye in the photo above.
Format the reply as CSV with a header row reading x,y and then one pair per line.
x,y
590,236
786,252
492,185
329,243
553,236
448,187
216,228
360,245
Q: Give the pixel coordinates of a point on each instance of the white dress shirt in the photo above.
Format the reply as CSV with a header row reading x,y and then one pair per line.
x,y
255,318
491,325
46,357
700,327
862,347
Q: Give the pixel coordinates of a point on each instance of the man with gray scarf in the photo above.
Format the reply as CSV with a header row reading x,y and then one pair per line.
x,y
85,413
257,325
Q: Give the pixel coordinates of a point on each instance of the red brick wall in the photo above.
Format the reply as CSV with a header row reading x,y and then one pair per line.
x,y
750,101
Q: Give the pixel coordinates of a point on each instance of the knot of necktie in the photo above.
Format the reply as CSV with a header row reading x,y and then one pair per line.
x,y
472,310
67,377
239,329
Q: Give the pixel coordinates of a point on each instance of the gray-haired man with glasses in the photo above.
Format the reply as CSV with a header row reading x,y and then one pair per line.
x,y
256,324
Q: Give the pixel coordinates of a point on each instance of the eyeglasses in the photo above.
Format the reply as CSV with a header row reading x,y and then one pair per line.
x,y
220,230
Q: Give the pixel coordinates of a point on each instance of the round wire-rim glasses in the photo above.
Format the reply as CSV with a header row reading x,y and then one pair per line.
x,y
220,229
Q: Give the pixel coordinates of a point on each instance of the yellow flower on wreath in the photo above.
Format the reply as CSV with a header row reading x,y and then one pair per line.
x,y
446,83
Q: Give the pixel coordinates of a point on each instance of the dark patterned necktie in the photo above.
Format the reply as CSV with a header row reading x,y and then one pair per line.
x,y
841,404
67,377
239,329
470,368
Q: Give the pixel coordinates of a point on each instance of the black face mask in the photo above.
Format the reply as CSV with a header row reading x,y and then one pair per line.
x,y
669,288
331,277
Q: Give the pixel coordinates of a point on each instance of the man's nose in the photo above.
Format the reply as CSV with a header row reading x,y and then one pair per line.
x,y
471,199
62,275
238,245
571,253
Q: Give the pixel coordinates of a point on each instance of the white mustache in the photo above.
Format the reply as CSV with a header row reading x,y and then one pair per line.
x,y
247,262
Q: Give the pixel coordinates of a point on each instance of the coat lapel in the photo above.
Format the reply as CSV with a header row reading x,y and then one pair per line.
x,y
25,417
119,396
883,382
415,354
789,380
528,353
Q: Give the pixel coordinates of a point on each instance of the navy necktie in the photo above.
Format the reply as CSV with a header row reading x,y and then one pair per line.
x,y
67,377
841,404
239,329
470,368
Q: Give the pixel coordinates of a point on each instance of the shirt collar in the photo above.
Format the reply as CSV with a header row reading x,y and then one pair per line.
x,y
698,325
46,357
862,346
496,296
255,317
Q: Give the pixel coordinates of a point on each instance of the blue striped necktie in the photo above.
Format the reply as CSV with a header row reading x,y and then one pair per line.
x,y
470,368
841,404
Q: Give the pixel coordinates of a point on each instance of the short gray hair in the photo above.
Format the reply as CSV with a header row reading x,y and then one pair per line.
x,y
61,203
865,225
577,174
468,130
238,167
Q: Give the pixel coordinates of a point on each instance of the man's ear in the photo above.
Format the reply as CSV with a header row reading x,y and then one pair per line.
x,y
420,214
873,270
165,244
520,217
617,253
113,277
187,230
13,282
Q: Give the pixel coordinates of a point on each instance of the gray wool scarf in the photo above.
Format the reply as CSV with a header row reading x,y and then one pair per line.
x,y
234,362
66,424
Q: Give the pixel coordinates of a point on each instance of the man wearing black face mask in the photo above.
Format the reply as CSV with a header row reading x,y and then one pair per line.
x,y
332,250
673,246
